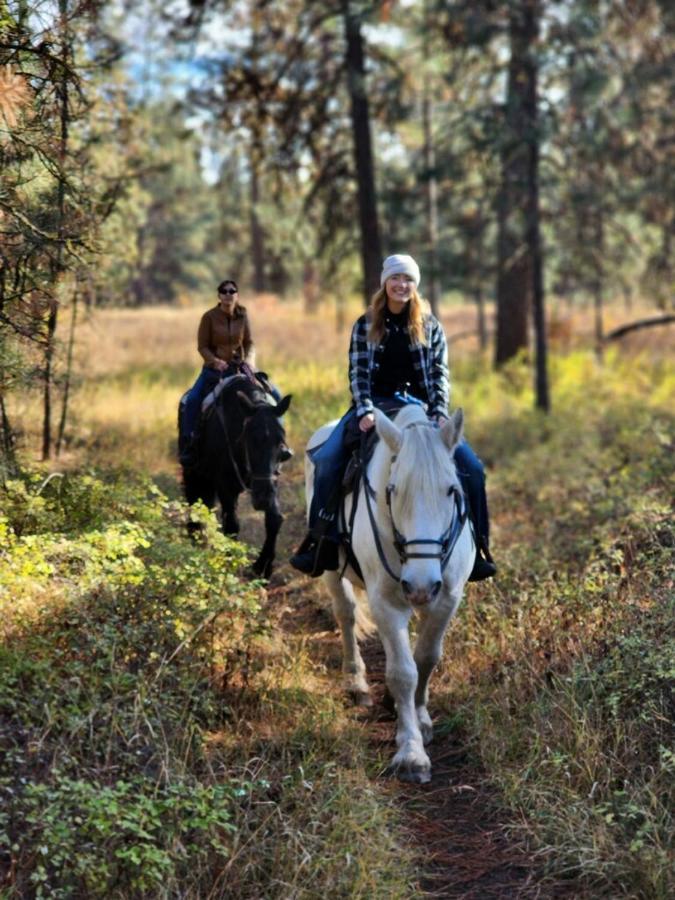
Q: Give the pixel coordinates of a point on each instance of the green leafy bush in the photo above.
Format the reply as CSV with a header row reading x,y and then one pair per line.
x,y
105,687
130,838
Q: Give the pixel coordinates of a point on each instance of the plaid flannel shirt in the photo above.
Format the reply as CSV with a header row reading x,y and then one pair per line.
x,y
430,360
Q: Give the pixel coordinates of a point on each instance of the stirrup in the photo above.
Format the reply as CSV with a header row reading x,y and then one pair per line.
x,y
314,557
483,565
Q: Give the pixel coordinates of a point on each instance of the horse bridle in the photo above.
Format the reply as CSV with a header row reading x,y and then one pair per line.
x,y
271,479
445,543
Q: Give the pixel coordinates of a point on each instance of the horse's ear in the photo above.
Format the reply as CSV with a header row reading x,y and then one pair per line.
x,y
389,433
246,402
282,405
452,430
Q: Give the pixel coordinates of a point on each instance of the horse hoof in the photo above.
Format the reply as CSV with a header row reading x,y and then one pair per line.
x,y
360,698
423,777
262,569
411,775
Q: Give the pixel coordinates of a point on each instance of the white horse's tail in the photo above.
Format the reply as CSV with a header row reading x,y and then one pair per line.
x,y
364,626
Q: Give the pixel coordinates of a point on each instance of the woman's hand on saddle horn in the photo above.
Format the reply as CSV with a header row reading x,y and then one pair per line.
x,y
367,422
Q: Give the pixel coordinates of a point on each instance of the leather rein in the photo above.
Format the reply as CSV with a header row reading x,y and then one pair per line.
x,y
244,485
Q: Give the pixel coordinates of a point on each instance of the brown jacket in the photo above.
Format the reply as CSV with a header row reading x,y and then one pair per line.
x,y
220,337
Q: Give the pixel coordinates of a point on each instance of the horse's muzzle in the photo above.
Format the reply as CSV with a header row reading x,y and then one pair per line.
x,y
420,596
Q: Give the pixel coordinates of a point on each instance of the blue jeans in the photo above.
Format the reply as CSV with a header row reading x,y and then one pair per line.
x,y
330,459
206,381
472,476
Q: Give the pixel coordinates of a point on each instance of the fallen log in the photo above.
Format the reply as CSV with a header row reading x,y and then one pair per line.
x,y
652,322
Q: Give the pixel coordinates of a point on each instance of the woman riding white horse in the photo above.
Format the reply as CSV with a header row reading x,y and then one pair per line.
x,y
398,353
413,543
413,546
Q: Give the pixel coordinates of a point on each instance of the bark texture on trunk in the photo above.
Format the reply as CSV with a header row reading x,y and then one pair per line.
x,y
257,235
371,250
514,277
57,263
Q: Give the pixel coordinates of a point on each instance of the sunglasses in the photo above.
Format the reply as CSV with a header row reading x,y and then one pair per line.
x,y
229,291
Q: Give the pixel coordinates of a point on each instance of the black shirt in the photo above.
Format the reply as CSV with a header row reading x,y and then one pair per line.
x,y
393,367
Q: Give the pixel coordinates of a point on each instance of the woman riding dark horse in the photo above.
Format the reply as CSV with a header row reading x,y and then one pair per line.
x,y
242,444
225,344
238,443
398,354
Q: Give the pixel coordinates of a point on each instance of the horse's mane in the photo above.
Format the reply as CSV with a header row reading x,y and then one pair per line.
x,y
422,461
244,385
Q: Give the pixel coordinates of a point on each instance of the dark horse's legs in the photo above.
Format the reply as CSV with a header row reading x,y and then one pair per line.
x,y
273,521
228,503
197,487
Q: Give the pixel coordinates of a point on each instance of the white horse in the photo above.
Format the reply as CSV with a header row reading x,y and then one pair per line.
x,y
415,546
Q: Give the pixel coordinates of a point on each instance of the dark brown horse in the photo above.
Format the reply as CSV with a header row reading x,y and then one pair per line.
x,y
241,446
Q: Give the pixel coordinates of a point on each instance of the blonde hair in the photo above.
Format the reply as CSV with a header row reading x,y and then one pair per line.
x,y
417,308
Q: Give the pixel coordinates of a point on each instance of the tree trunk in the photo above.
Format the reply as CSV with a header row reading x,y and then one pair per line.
x,y
480,309
598,284
431,191
257,235
371,253
7,459
514,277
340,317
431,182
57,265
542,399
475,226
69,372
310,287
138,281
48,376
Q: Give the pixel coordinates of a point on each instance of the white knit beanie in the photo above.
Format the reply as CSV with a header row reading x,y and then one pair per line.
x,y
400,264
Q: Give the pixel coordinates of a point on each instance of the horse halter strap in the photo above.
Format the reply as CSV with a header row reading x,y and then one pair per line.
x,y
445,543
251,477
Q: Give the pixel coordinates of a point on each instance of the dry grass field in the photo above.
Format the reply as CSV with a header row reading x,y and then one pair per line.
x,y
133,364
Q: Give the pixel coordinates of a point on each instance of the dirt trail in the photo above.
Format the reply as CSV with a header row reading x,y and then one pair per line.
x,y
455,823
463,849
455,826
